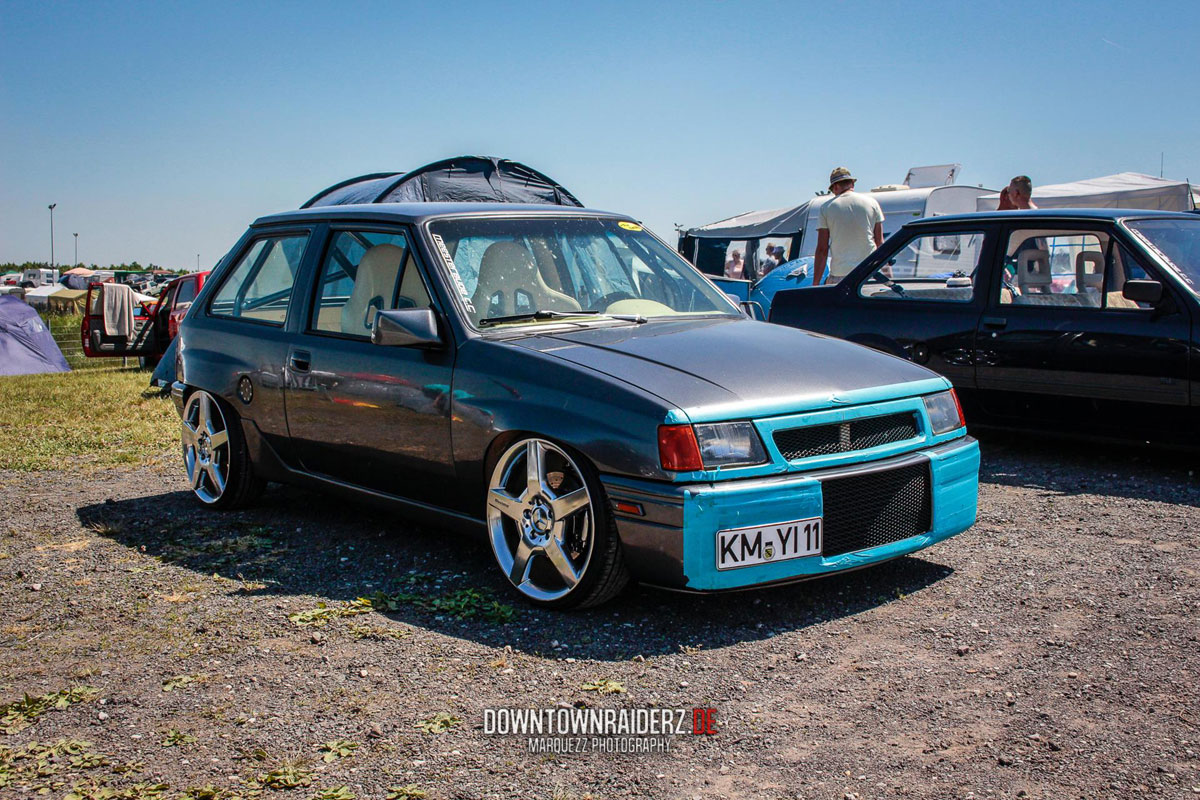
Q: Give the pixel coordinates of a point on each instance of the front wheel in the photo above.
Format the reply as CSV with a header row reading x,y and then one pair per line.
x,y
550,530
215,456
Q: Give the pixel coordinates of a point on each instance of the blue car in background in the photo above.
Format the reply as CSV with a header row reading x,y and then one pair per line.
x,y
794,274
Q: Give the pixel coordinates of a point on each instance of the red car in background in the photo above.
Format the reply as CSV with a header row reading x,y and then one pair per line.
x,y
154,326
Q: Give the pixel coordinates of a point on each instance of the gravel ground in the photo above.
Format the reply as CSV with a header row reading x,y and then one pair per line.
x,y
1051,651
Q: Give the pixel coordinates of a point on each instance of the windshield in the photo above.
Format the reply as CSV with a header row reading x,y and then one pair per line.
x,y
1176,241
517,267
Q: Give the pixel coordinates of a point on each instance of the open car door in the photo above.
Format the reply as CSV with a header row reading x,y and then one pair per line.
x,y
120,322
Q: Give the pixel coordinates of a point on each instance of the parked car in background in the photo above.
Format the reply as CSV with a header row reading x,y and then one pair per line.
x,y
563,382
156,323
1069,321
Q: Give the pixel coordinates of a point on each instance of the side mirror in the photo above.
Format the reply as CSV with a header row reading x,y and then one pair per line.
x,y
406,327
1142,291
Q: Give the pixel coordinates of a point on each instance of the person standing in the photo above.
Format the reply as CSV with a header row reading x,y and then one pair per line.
x,y
1018,195
850,228
735,267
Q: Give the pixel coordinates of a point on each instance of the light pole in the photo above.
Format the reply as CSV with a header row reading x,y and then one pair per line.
x,y
51,207
197,262
76,235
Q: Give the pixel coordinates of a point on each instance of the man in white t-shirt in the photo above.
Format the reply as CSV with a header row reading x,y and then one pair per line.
x,y
850,228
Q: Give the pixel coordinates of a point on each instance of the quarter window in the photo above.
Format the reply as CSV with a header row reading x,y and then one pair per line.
x,y
259,287
365,272
187,291
933,267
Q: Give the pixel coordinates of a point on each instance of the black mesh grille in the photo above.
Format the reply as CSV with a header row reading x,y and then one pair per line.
x,y
859,434
868,510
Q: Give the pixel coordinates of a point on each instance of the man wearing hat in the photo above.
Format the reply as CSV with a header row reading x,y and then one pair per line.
x,y
850,228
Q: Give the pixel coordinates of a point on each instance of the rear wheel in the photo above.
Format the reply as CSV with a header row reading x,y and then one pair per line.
x,y
215,456
550,529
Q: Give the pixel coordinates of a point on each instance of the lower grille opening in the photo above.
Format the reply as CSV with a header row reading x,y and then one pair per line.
x,y
863,511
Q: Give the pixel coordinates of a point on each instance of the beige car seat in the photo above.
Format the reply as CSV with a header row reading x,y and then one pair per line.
x,y
374,287
1033,271
510,283
1089,272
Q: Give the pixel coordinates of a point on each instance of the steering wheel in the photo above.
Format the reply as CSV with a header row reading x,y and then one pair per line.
x,y
607,300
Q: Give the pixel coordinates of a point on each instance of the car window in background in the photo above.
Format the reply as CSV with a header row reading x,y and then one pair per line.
x,y
260,285
1176,241
937,267
187,291
365,272
506,267
1054,268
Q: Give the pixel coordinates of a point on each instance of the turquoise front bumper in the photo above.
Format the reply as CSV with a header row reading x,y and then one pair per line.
x,y
673,542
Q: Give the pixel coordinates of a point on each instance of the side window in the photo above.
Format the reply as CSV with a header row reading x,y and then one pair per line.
x,y
365,272
1122,266
934,267
1054,268
187,291
260,285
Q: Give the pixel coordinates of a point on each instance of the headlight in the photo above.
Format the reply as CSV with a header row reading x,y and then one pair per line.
x,y
691,448
728,444
945,414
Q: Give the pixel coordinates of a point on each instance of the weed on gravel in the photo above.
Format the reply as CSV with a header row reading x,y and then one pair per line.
x,y
439,723
462,604
20,714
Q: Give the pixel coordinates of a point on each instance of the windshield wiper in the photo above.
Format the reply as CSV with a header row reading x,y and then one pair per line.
x,y
541,313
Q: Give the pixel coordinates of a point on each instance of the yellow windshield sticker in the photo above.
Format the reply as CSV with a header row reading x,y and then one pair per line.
x,y
630,226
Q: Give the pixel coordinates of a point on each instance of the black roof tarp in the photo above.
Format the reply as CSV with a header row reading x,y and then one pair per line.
x,y
465,179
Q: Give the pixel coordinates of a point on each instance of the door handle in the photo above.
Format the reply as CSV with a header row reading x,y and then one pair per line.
x,y
300,360
995,322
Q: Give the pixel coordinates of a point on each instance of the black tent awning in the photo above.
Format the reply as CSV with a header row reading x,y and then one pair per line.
x,y
464,179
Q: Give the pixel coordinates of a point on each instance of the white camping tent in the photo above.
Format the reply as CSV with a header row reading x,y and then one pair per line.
x,y
1123,190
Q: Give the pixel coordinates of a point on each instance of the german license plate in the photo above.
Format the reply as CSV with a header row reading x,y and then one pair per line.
x,y
744,547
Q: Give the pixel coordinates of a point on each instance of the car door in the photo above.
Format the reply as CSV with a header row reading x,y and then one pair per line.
x,y
1060,347
248,315
367,414
921,298
101,340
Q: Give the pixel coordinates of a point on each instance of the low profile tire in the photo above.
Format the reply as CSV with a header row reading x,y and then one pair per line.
x,y
550,529
215,458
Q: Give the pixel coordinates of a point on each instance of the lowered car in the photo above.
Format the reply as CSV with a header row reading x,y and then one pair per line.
x,y
563,382
1081,322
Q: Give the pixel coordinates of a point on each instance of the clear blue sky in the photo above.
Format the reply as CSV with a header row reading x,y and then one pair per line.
x,y
163,129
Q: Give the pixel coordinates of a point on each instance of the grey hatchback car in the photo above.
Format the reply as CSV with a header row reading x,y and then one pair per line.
x,y
563,382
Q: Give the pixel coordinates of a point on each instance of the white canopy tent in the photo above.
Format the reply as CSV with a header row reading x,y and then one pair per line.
x,y
1123,190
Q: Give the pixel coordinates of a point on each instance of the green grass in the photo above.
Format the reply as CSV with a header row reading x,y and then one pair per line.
x,y
65,330
100,418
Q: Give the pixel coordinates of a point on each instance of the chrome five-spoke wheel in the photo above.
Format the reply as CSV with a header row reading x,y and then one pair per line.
x,y
206,451
541,520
